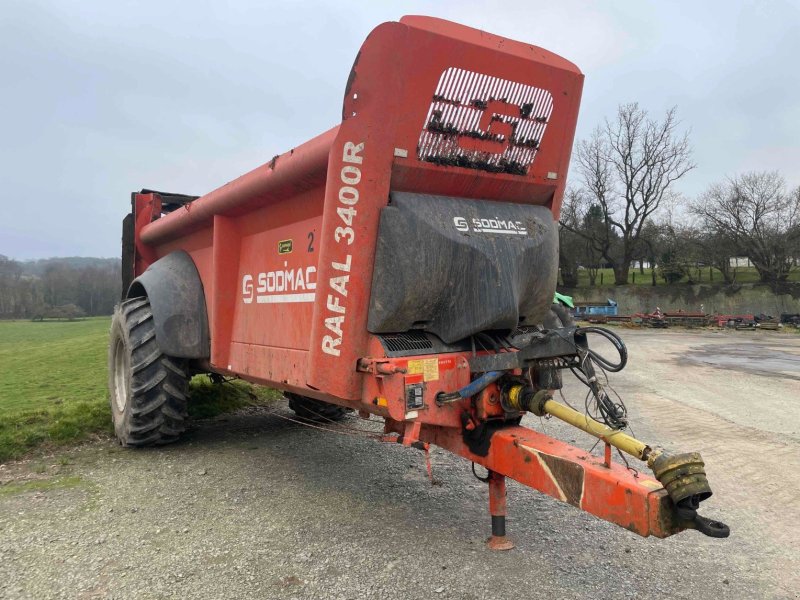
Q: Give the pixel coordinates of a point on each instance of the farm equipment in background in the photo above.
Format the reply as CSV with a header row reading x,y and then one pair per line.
x,y
595,312
402,264
790,319
659,319
736,321
655,319
683,318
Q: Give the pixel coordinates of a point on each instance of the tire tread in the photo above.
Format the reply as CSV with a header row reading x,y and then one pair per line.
x,y
158,383
315,410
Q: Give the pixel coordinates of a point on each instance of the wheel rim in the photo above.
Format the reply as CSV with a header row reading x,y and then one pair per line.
x,y
120,376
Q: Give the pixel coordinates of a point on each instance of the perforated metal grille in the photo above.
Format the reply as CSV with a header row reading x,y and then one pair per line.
x,y
483,122
405,342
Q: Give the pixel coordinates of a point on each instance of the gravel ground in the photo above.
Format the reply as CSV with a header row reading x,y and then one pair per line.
x,y
253,506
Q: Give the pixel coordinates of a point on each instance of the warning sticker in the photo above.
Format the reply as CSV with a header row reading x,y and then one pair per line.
x,y
429,367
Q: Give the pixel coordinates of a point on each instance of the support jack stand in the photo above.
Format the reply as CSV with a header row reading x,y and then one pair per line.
x,y
497,508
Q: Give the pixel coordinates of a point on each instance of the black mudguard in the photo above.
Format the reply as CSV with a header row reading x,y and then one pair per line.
x,y
456,266
175,291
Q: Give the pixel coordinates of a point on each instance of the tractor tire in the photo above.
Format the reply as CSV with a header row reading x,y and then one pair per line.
x,y
309,409
147,389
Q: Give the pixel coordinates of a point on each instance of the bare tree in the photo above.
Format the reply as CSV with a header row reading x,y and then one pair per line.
x,y
627,168
680,254
718,249
755,213
598,243
583,239
569,242
33,288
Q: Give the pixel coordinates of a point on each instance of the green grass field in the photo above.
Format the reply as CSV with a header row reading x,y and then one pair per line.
x,y
53,387
705,275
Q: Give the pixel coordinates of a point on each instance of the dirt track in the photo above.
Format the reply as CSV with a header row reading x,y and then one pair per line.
x,y
252,506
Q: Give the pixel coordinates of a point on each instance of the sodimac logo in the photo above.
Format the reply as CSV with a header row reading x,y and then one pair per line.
x,y
490,225
282,286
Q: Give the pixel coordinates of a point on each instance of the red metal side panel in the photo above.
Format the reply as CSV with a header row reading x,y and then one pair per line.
x,y
147,207
416,126
233,234
224,286
277,274
487,86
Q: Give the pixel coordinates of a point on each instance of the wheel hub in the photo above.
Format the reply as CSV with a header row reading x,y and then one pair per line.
x,y
121,362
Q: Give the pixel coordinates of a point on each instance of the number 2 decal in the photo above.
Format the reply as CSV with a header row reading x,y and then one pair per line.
x,y
310,241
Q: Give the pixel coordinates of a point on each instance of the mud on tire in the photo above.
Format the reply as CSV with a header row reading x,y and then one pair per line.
x,y
315,410
147,388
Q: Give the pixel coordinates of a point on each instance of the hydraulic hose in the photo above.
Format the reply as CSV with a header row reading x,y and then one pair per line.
x,y
474,387
618,344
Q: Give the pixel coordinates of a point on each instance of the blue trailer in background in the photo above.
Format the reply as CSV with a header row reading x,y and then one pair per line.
x,y
594,309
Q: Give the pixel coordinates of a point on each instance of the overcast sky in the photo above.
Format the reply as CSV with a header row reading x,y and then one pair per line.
x,y
101,98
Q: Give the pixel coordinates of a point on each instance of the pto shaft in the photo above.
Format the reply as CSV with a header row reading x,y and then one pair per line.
x,y
614,437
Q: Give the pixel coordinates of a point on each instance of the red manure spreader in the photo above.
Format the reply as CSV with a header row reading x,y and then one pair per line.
x,y
402,264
